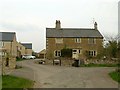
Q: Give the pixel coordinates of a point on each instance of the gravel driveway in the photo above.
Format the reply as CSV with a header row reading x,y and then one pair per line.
x,y
48,76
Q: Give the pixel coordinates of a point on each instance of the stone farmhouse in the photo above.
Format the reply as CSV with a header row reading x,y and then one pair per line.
x,y
80,40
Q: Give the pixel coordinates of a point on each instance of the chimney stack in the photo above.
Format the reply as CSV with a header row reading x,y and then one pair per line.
x,y
58,24
95,26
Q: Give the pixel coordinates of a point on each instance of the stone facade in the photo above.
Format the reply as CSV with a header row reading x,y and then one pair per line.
x,y
70,43
81,41
42,54
8,64
11,47
20,50
28,51
8,51
28,48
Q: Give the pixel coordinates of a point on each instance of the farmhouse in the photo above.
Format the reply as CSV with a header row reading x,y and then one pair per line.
x,y
82,41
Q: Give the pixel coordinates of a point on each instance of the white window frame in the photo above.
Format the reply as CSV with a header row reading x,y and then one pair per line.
x,y
93,53
59,40
1,44
79,51
57,53
77,40
91,41
2,53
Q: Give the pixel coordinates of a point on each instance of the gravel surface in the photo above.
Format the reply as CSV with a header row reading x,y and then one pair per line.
x,y
48,76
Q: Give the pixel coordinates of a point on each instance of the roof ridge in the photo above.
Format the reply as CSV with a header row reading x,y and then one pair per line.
x,y
26,43
73,32
7,32
74,28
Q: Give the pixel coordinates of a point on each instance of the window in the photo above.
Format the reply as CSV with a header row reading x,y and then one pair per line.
x,y
57,53
74,50
91,40
92,53
0,53
78,40
58,40
78,51
19,48
1,44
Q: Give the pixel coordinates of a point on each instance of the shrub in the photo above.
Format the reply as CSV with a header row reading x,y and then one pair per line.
x,y
66,52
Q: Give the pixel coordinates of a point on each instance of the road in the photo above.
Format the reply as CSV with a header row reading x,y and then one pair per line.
x,y
48,76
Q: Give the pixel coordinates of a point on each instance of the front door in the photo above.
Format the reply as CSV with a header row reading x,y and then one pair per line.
x,y
75,53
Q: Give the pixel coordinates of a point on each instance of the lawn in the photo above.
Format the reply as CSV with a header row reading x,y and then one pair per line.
x,y
16,82
115,76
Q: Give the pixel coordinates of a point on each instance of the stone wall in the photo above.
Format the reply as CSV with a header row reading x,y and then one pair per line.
x,y
64,62
11,65
96,61
69,62
51,46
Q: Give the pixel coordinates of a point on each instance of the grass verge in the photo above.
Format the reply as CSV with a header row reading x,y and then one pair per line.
x,y
19,59
100,65
16,82
115,76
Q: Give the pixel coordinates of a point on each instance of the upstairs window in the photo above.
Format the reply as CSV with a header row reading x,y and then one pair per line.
x,y
1,44
77,40
59,40
91,41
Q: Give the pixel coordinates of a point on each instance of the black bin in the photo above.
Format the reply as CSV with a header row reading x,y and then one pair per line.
x,y
76,63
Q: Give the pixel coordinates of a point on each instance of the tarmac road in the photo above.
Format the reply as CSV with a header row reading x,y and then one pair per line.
x,y
48,76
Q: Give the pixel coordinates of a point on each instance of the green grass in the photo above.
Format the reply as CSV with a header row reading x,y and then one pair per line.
x,y
16,82
115,76
19,59
0,82
100,65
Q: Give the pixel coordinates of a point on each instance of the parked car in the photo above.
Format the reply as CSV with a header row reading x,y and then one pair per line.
x,y
28,57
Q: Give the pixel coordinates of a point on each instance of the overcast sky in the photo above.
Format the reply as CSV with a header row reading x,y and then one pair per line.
x,y
29,18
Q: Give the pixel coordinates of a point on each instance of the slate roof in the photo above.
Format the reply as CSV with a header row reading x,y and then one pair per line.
x,y
7,36
27,45
72,32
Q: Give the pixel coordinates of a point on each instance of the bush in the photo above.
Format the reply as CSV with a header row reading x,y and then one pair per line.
x,y
66,52
18,59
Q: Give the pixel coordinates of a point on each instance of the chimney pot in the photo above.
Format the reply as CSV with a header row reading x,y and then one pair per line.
x,y
58,24
95,26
